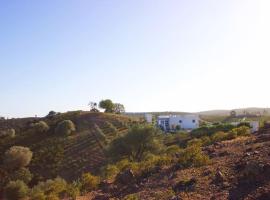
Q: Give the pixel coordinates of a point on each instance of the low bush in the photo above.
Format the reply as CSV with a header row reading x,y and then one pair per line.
x,y
172,150
73,190
22,174
17,157
193,156
206,140
10,133
40,127
195,141
219,136
241,131
65,127
53,188
89,182
210,130
110,171
16,190
131,197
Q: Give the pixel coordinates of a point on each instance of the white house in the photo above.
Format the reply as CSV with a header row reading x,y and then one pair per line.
x,y
172,122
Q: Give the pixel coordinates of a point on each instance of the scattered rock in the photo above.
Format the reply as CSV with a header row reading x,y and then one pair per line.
x,y
175,198
207,172
219,177
102,197
224,153
185,185
256,152
247,154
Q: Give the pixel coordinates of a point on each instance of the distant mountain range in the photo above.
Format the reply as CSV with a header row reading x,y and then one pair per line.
x,y
239,111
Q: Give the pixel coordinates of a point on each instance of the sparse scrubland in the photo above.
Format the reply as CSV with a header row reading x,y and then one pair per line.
x,y
94,155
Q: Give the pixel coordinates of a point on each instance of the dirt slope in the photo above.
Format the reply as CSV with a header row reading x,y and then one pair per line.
x,y
239,169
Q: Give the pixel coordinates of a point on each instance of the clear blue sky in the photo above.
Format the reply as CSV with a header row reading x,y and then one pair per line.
x,y
150,55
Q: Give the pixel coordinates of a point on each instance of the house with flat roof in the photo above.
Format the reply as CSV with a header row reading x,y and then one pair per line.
x,y
178,122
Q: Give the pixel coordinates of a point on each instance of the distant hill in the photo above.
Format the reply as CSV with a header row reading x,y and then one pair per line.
x,y
239,111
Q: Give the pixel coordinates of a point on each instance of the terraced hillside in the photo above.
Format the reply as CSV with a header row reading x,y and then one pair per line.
x,y
67,156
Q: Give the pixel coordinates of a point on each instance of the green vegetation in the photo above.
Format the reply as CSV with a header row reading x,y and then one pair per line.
x,y
17,157
16,190
40,127
22,174
111,107
9,133
107,105
59,153
89,182
134,146
210,130
193,156
65,127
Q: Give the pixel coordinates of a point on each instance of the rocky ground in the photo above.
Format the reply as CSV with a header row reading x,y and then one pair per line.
x,y
239,169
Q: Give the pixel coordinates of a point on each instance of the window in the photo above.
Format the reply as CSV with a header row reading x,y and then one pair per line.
x,y
193,120
180,121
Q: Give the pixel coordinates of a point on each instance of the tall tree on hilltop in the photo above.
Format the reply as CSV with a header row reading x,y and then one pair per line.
x,y
119,108
107,105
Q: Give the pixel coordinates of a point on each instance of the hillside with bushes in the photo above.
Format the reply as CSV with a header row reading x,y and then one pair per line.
x,y
91,155
64,145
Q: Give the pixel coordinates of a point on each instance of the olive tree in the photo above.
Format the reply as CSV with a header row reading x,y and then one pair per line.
x,y
107,105
135,145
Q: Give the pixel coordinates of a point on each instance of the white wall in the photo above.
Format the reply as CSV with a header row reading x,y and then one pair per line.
x,y
184,121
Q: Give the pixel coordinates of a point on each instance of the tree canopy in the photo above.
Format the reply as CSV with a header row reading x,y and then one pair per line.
x,y
107,105
135,145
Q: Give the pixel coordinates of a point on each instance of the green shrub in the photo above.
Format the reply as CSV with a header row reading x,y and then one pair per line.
x,y
206,140
126,164
37,195
110,171
131,197
193,156
219,136
241,131
136,144
195,141
172,150
16,190
163,160
17,157
52,197
210,130
51,187
40,127
10,133
22,174
65,127
89,182
73,190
